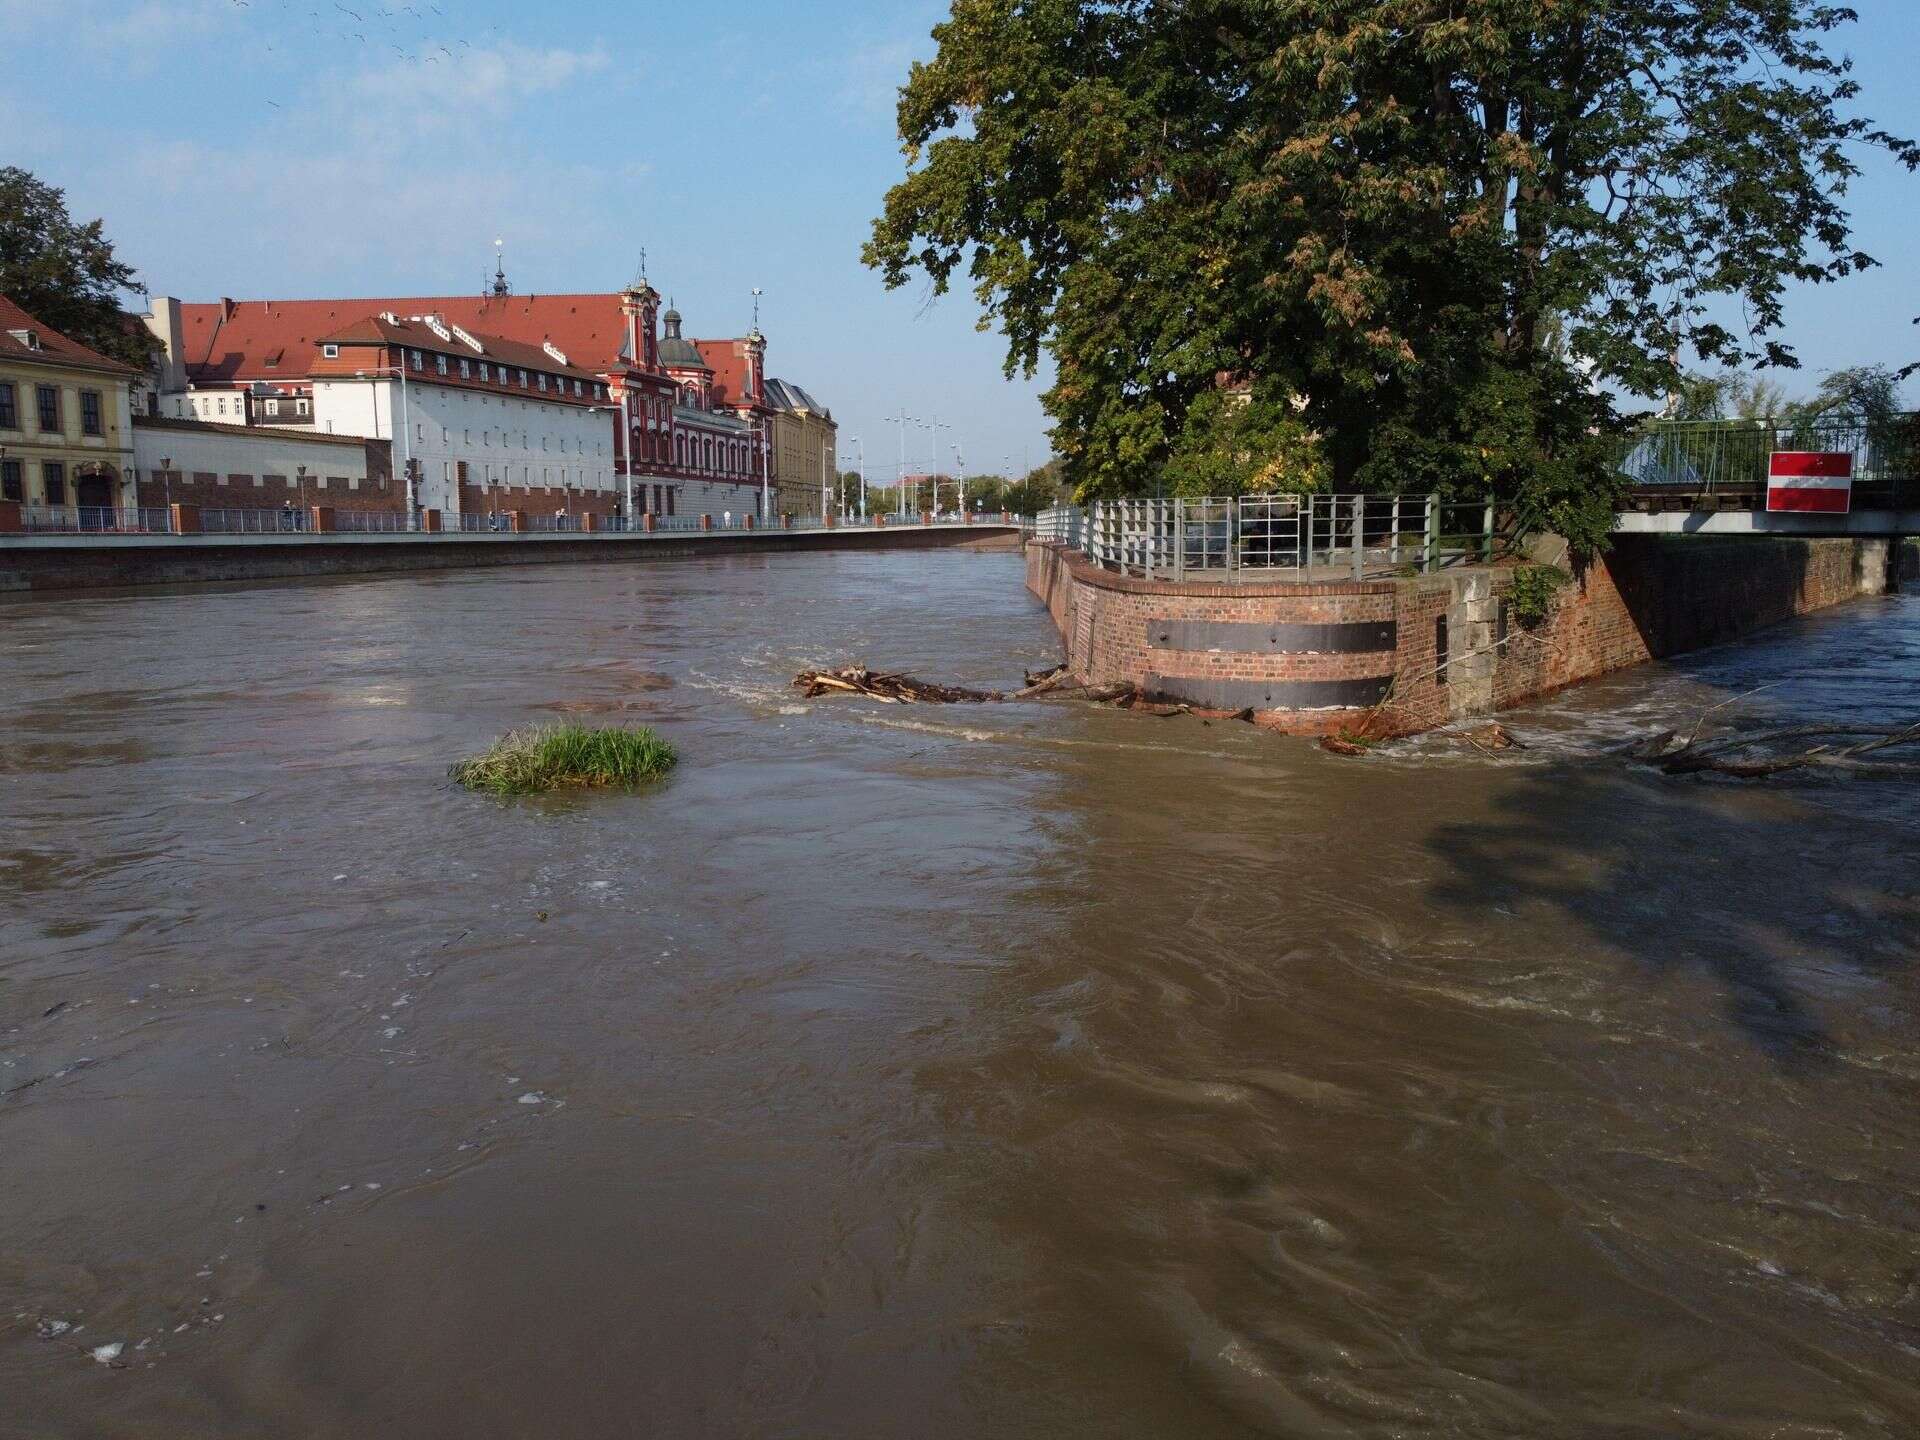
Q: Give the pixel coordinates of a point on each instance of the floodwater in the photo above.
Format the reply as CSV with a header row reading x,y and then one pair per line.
x,y
1016,1071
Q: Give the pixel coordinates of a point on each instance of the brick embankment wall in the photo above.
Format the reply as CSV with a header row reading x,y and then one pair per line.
x,y
1660,595
78,565
1396,656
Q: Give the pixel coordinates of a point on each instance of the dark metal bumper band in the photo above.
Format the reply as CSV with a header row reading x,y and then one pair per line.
x,y
1235,637
1225,694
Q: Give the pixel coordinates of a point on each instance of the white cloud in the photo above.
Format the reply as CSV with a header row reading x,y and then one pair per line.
x,y
870,76
112,24
448,85
360,174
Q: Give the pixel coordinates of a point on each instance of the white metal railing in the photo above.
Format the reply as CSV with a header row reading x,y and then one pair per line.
x,y
101,519
1266,536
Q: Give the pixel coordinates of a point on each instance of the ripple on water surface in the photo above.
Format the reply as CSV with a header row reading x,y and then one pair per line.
x,y
1022,1070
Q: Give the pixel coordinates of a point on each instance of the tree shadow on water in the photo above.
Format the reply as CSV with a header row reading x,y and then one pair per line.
x,y
1774,894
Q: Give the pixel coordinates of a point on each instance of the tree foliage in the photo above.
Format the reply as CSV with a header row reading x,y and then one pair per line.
x,y
64,273
1439,225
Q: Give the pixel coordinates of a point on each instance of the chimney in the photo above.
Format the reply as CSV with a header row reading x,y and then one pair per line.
x,y
163,320
227,307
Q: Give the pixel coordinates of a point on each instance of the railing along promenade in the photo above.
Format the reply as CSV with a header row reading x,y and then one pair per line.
x,y
1275,537
192,522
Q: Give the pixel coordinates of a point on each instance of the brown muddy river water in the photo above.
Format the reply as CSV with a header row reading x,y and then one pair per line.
x,y
965,1072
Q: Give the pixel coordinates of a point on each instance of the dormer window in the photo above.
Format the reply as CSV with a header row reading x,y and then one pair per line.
x,y
543,383
332,352
416,358
466,371
28,338
440,364
523,378
486,371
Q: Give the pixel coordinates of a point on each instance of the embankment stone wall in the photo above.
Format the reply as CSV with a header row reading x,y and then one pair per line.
x,y
1409,654
75,564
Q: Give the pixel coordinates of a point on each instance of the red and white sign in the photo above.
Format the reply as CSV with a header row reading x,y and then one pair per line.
x,y
1810,482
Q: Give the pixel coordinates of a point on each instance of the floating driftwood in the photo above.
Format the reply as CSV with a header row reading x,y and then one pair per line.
x,y
1491,736
888,687
1755,754
1057,684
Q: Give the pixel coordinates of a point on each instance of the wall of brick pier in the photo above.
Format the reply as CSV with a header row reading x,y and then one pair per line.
x,y
1401,655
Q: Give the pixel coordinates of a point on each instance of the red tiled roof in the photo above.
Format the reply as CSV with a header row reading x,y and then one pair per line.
x,y
377,330
54,348
729,365
275,339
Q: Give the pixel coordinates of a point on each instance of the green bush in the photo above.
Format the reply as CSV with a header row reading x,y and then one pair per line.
x,y
1531,596
557,757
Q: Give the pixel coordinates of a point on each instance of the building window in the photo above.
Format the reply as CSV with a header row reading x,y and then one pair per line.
x,y
48,399
273,407
13,486
576,388
486,371
466,371
543,382
53,478
9,407
332,352
415,355
440,364
523,378
89,412
300,407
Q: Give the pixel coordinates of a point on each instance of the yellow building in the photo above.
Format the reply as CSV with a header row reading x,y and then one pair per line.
x,y
66,420
805,448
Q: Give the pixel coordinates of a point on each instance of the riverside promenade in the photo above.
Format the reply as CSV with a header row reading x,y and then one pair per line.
x,y
131,556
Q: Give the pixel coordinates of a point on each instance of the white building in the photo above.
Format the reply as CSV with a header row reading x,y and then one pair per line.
x,y
486,424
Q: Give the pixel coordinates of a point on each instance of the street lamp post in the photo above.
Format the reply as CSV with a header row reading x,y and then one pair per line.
x,y
406,432
960,472
934,427
900,476
166,486
860,450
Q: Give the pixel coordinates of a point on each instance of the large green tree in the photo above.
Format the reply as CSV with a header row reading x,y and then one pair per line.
x,y
1439,229
63,272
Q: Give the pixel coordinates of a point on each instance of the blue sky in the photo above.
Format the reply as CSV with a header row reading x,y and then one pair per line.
x,y
321,147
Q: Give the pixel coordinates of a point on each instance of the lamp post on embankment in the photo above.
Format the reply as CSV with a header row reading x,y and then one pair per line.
x,y
406,433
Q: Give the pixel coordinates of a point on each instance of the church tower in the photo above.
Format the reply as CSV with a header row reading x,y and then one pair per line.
x,y
640,303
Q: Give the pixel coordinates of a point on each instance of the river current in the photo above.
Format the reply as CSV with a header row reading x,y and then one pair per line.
x,y
979,1071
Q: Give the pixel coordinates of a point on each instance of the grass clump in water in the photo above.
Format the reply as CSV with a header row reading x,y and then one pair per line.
x,y
560,757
